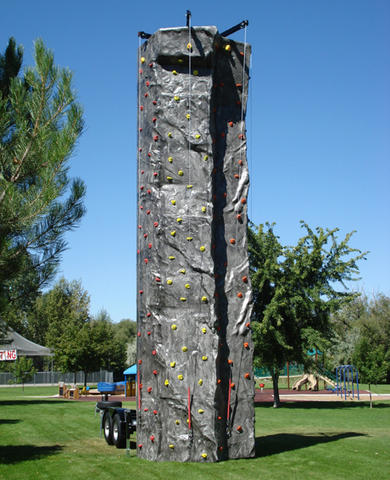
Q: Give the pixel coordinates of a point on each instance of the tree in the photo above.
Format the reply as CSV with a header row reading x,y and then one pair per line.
x,y
40,123
23,370
294,293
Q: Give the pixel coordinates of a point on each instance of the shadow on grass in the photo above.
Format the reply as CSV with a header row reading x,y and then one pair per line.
x,y
4,421
35,401
323,405
284,442
20,453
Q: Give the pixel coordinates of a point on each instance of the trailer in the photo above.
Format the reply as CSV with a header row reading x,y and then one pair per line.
x,y
116,423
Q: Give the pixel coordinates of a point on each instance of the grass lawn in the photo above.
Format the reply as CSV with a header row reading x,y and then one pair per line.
x,y
59,439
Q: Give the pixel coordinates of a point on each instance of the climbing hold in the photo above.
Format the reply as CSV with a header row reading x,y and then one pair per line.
x,y
169,179
230,362
239,429
246,345
158,279
170,134
174,72
248,325
151,438
155,174
179,220
140,445
204,455
176,98
166,383
149,333
139,334
197,136
183,299
141,107
177,422
233,385
173,202
180,173
189,187
243,201
142,59
204,299
173,233
155,224
173,364
154,372
228,47
155,138
188,116
232,241
183,270
200,382
230,124
151,64
173,326
204,330
219,381
171,257
147,212
202,248
240,295
148,314
145,235
204,358
146,409
184,349
139,362
149,389
154,352
169,281
189,239
247,375
236,176
205,158
171,446
200,410
180,377
154,119
203,209
220,448
239,217
147,83
146,260
189,46
245,279
154,102
195,72
141,292
170,159
187,285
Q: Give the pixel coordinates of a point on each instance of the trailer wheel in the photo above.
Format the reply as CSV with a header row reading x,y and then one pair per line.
x,y
118,432
107,428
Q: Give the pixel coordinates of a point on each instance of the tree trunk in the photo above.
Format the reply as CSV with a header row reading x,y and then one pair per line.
x,y
275,383
85,379
74,378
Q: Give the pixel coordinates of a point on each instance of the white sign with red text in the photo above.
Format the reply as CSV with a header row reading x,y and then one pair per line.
x,y
8,355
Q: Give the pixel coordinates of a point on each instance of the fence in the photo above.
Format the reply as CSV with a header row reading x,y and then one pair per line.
x,y
52,378
292,370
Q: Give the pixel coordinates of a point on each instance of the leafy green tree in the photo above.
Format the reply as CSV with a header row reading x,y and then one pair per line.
x,y
40,123
294,293
23,370
372,361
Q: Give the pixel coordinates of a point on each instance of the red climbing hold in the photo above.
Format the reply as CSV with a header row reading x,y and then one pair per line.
x,y
154,352
149,389
146,260
245,279
233,241
141,107
155,412
154,372
155,224
158,279
140,362
230,124
152,438
246,345
141,292
239,429
147,212
243,201
155,138
148,314
239,218
240,295
247,375
147,83
154,119
149,245
154,102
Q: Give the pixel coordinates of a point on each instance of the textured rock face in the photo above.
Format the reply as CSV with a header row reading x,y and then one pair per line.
x,y
195,382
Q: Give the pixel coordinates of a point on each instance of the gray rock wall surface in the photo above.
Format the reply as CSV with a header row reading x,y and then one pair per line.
x,y
194,350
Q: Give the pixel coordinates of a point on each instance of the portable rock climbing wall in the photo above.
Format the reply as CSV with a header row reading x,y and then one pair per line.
x,y
194,350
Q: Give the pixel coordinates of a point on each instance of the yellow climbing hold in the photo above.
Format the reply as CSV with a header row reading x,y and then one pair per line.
x,y
184,349
187,285
200,410
171,257
174,72
169,281
166,383
170,159
173,364
142,59
205,158
174,326
204,330
183,299
189,186
171,446
173,202
228,47
202,248
170,134
180,377
180,173
204,299
204,455
197,136
188,116
173,233
204,358
189,46
177,422
200,382
179,220
189,239
182,270
169,179
176,98
203,209
180,60
195,72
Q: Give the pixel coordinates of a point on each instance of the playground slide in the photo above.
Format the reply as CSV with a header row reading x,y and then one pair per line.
x,y
327,380
307,378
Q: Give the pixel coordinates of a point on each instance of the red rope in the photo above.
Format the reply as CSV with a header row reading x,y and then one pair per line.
x,y
189,408
230,389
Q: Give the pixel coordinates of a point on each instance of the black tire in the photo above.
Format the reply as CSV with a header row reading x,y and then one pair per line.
x,y
118,432
107,427
102,405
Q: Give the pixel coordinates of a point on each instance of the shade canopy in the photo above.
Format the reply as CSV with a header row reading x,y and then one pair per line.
x,y
24,347
131,370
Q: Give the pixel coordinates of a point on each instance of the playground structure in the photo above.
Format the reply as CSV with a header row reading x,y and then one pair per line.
x,y
195,384
347,377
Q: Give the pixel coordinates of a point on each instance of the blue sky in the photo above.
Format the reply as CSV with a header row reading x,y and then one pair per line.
x,y
318,122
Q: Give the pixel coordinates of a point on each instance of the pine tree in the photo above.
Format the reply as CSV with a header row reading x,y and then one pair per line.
x,y
40,123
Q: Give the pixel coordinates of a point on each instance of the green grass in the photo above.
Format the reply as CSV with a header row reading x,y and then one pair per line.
x,y
59,439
